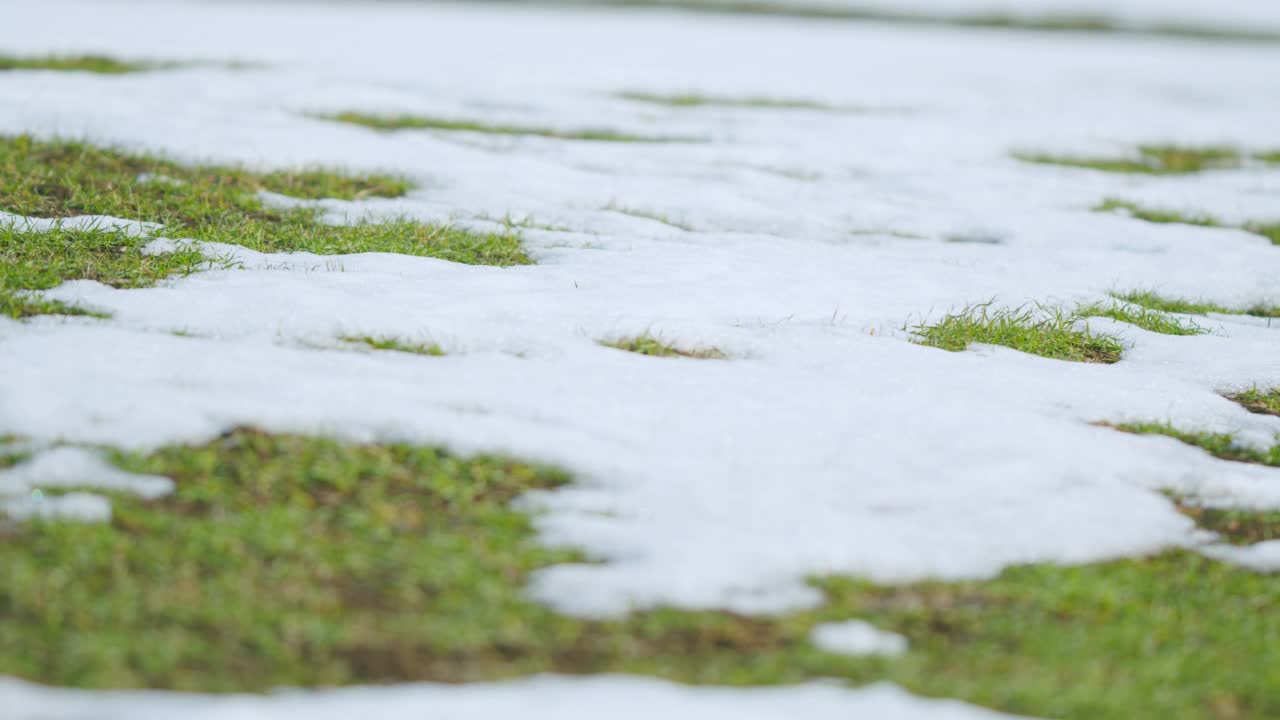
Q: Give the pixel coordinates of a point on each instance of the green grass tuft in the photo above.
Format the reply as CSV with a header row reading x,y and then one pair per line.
x,y
1263,402
993,20
695,100
648,344
414,122
1220,445
285,560
650,215
1154,160
1145,318
1153,301
1047,332
382,342
81,63
60,179
1268,230
1238,527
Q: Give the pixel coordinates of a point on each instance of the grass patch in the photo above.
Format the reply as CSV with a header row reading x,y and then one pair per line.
x,y
1262,402
1238,527
1042,331
416,122
1155,160
1220,445
382,342
100,64
1153,301
1145,318
289,560
649,215
60,179
696,100
648,344
1268,230
1042,22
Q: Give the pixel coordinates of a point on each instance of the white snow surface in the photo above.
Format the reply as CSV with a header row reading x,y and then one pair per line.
x,y
857,637
22,486
828,443
1263,556
541,697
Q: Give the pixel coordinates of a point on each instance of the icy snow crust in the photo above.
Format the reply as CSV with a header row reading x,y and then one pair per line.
x,y
828,443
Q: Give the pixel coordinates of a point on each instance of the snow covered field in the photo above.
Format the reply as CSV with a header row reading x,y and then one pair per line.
x,y
800,241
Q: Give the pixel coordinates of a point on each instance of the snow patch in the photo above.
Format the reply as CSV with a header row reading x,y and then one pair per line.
x,y
857,637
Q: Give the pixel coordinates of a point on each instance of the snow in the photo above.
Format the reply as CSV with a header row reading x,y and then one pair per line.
x,y
22,486
1262,557
828,443
535,698
857,637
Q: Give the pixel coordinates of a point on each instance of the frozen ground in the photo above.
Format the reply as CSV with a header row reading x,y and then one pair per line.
x,y
798,241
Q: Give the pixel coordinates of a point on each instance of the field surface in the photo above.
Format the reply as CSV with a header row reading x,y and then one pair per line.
x,y
692,359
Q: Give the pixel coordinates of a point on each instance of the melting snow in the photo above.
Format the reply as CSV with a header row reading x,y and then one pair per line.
x,y
827,444
858,637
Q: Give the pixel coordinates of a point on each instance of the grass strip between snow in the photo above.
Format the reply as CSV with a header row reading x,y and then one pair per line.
x,y
285,560
1157,160
62,179
653,345
1267,229
1048,332
993,20
418,122
100,64
1262,402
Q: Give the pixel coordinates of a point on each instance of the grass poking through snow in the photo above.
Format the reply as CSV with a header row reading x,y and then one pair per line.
x,y
416,122
649,344
59,179
694,100
100,64
285,560
1269,230
1238,527
1152,320
1047,332
383,342
1153,301
1263,402
1220,445
1155,160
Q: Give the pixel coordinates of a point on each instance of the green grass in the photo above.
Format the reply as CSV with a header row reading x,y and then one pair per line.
x,y
81,63
1047,332
696,100
1146,318
383,342
1154,301
650,215
299,561
1268,230
1238,527
1044,22
648,344
1220,445
1263,402
59,179
1155,160
416,122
